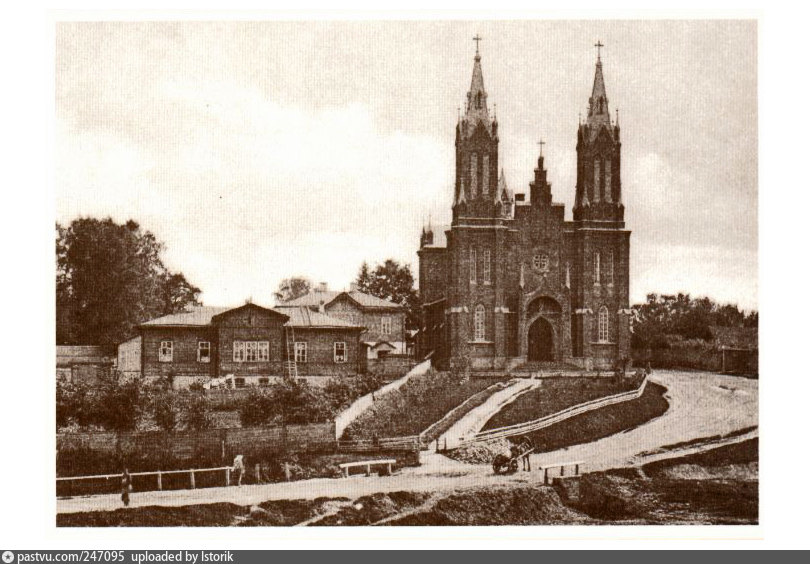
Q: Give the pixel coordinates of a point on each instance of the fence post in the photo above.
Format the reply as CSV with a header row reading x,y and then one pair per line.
x,y
227,477
445,444
287,471
545,476
193,486
160,481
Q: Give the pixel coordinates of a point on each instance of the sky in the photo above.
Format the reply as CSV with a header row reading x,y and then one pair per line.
x,y
262,150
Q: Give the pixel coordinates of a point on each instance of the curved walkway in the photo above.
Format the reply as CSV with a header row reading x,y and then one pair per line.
x,y
476,418
702,406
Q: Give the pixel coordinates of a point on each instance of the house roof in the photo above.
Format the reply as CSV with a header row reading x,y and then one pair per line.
x,y
193,316
200,316
303,317
68,355
316,297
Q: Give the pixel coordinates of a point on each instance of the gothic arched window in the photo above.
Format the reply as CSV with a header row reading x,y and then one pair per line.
x,y
485,175
473,175
603,324
478,101
597,268
609,268
480,323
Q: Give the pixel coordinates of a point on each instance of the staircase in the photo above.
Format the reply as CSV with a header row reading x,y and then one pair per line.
x,y
547,368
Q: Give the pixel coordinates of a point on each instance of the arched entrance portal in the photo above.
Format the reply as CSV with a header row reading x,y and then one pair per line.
x,y
541,341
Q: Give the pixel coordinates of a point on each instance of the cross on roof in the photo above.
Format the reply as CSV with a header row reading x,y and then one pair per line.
x,y
477,39
541,143
598,46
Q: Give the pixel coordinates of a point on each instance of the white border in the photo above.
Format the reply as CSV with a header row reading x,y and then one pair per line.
x,y
26,409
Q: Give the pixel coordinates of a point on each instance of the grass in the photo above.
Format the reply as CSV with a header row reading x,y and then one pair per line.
x,y
556,394
422,401
603,422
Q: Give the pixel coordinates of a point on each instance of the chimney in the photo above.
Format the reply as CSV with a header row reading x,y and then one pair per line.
x,y
322,287
353,287
321,309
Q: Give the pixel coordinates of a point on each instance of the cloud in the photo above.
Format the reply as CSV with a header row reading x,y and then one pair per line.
x,y
248,191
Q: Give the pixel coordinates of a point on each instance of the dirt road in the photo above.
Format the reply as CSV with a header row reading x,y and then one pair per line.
x,y
702,406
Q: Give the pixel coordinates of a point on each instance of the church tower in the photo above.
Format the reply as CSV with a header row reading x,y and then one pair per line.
x,y
476,186
600,251
599,188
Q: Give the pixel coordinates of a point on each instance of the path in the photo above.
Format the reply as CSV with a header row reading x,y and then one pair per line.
x,y
702,405
474,420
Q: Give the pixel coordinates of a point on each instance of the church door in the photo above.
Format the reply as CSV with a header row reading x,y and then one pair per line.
x,y
541,341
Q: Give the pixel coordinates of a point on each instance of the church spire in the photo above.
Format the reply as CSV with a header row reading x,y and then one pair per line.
x,y
477,96
598,113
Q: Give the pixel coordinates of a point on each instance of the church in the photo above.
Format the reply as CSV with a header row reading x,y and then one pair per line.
x,y
512,281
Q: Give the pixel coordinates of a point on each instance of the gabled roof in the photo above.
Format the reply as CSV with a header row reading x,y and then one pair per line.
x,y
317,297
303,317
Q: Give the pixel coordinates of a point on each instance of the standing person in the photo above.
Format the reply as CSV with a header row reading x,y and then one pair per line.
x,y
526,448
239,468
126,487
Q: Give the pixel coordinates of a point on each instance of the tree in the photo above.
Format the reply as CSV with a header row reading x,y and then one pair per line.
x,y
109,279
394,282
663,316
292,288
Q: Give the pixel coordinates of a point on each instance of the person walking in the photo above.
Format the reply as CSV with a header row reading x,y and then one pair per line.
x,y
526,448
126,487
239,468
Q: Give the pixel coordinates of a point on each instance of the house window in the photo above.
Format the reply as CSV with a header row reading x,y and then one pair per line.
x,y
472,266
264,381
340,352
479,322
251,351
166,352
487,267
239,351
300,351
567,274
609,268
597,268
239,382
603,324
385,325
204,351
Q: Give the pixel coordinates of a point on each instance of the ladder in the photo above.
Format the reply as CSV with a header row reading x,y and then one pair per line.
x,y
292,366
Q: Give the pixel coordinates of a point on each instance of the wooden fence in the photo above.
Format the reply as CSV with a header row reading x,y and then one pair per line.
x,y
547,421
385,444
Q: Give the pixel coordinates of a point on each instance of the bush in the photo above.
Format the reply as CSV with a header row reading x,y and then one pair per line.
x,y
286,402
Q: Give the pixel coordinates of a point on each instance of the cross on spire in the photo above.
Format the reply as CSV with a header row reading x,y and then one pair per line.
x,y
598,46
477,40
541,143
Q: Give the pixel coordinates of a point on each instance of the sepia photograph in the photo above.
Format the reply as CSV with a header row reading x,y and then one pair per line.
x,y
431,273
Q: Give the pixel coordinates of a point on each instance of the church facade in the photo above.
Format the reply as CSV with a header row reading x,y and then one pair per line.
x,y
516,282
